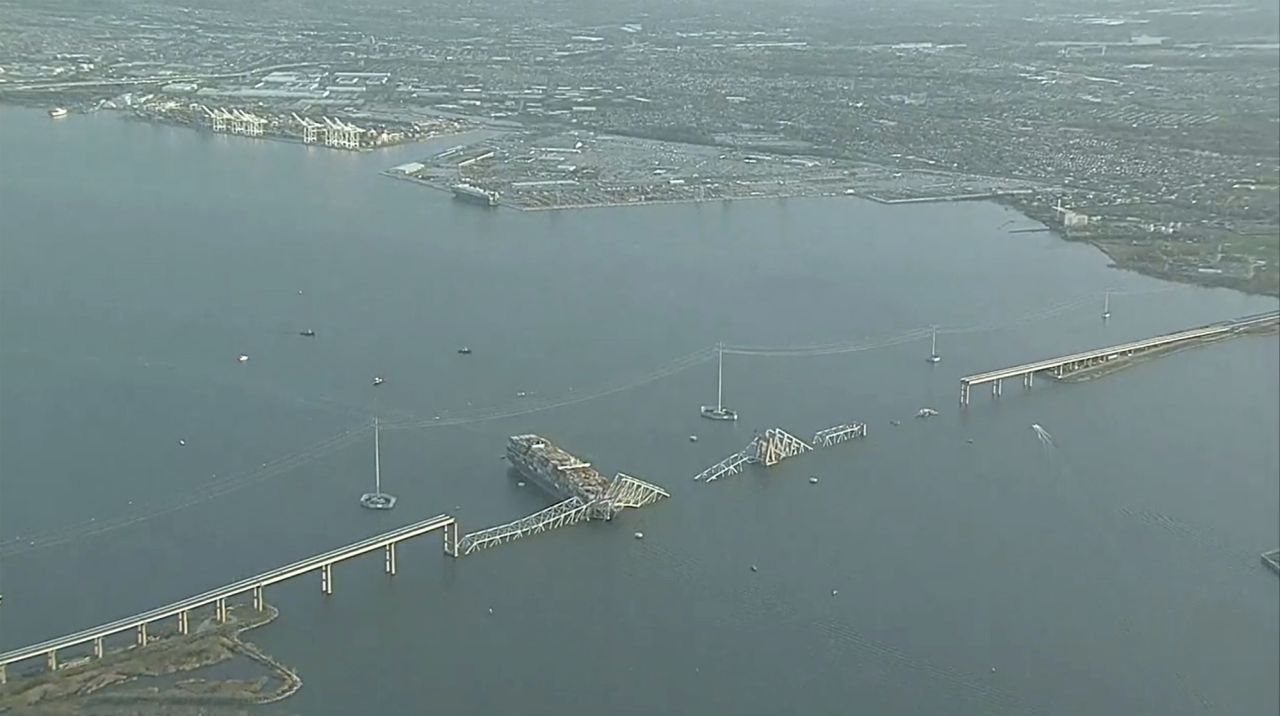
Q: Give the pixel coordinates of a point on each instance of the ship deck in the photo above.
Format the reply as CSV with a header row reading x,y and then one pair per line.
x,y
554,468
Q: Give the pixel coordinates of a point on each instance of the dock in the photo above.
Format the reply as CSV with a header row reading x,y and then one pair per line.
x,y
1062,366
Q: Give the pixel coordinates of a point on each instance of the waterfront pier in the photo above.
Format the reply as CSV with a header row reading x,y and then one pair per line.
x,y
1063,366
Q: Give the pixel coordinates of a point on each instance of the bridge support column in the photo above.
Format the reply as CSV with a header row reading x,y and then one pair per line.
x,y
997,387
52,660
1028,379
142,634
4,675
451,539
97,648
220,611
259,601
184,623
326,579
391,558
964,393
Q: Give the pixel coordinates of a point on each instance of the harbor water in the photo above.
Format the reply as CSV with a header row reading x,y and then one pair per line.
x,y
953,565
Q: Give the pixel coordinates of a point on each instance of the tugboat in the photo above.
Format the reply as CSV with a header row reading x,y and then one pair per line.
x,y
718,411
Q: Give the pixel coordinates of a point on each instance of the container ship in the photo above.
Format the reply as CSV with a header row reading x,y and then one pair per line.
x,y
475,195
555,470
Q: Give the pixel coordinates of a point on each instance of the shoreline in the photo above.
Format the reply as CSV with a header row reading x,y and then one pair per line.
x,y
1013,199
80,683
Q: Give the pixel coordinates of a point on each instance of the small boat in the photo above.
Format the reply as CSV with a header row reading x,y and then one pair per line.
x,y
307,332
895,423
244,358
58,112
378,380
464,351
639,535
813,480
521,394
926,413
693,438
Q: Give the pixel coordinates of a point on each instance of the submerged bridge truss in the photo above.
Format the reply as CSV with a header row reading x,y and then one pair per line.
x,y
775,445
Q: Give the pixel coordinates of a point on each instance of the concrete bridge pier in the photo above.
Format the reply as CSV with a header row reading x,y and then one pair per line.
x,y
1028,379
451,539
4,674
964,393
259,601
142,634
220,611
391,558
97,648
997,387
326,578
52,660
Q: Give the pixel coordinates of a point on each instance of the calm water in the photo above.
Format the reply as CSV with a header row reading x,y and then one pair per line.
x,y
1116,572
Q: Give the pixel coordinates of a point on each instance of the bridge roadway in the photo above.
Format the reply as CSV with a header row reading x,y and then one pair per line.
x,y
218,597
1064,364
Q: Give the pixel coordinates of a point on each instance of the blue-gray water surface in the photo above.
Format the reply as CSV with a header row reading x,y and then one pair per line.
x,y
1115,571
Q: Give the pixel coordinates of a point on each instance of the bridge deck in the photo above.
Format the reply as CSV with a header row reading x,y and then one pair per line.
x,y
245,585
1208,331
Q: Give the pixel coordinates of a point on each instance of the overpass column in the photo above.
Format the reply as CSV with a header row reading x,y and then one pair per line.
x,y
259,602
97,647
451,539
142,634
391,558
326,579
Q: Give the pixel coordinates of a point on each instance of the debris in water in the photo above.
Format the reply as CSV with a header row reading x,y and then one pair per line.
x,y
1042,434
